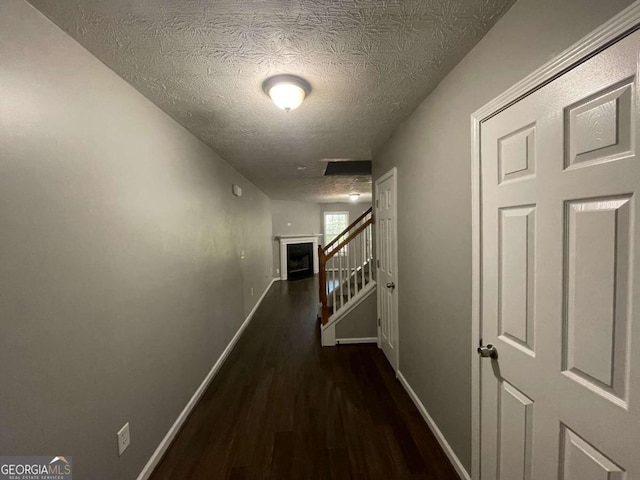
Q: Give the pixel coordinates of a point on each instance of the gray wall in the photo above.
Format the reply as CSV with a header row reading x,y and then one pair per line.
x,y
292,218
432,153
360,322
120,274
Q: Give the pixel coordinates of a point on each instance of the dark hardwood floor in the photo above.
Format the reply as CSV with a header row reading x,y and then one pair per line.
x,y
282,407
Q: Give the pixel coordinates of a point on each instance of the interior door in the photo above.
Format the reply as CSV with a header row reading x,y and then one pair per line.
x,y
560,259
387,274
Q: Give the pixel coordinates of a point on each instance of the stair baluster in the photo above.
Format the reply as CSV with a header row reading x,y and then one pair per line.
x,y
353,248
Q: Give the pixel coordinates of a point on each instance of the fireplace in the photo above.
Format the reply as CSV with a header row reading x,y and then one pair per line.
x,y
299,260
286,240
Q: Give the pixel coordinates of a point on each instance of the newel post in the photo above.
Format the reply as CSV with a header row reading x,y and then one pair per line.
x,y
322,277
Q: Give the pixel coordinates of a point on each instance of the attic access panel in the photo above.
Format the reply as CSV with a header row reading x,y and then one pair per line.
x,y
351,167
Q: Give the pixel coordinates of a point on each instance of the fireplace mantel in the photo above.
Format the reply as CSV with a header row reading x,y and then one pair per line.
x,y
292,239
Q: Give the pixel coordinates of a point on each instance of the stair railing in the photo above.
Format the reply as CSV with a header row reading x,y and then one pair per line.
x,y
346,265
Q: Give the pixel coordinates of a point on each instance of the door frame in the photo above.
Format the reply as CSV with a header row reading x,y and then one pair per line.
x,y
393,174
607,34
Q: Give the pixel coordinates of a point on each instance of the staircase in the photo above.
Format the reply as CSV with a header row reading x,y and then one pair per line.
x,y
346,273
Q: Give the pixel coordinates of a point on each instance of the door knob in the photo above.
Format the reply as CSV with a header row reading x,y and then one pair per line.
x,y
391,285
488,351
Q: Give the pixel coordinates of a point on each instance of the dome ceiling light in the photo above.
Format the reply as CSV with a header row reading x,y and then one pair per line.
x,y
354,196
286,91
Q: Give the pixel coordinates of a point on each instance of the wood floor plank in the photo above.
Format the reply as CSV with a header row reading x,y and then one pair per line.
x,y
282,407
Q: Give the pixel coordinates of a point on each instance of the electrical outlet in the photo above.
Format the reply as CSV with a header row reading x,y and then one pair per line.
x,y
124,439
241,254
252,292
278,271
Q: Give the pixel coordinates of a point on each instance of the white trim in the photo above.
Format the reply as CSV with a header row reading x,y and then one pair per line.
x,y
154,460
298,235
328,335
451,455
580,51
476,279
393,173
346,341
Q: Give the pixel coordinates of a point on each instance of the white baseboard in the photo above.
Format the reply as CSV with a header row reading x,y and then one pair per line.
x,y
175,428
453,458
343,341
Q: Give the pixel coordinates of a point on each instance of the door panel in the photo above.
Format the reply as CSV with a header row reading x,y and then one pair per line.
x,y
596,292
516,429
582,461
559,217
599,129
516,154
517,274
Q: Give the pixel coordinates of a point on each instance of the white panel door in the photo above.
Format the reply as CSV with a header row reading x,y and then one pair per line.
x,y
560,180
387,274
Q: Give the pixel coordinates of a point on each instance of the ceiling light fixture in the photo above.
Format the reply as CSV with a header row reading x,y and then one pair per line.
x,y
354,197
286,91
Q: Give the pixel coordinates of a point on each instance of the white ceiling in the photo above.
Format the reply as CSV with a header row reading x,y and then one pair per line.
x,y
370,63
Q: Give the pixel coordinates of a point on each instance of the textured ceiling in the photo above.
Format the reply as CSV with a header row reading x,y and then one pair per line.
x,y
370,63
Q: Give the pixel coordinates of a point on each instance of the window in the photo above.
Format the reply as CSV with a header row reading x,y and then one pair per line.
x,y
334,224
